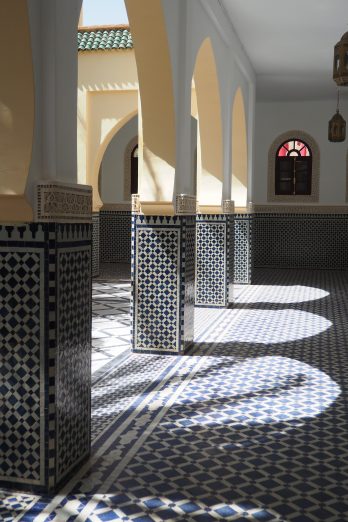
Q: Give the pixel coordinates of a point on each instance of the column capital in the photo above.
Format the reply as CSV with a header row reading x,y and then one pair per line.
x,y
62,202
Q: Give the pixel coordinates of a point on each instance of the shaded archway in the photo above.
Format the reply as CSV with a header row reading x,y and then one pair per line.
x,y
239,152
210,128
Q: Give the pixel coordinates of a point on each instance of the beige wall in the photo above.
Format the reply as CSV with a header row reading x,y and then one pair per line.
x,y
210,128
107,99
239,152
157,127
16,109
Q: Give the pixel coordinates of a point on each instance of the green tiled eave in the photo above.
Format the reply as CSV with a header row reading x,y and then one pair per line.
x,y
104,39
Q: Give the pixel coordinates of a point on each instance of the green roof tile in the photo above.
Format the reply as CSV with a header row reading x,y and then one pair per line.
x,y
104,38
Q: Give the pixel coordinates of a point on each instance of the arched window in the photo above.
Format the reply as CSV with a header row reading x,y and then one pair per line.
x,y
134,170
293,168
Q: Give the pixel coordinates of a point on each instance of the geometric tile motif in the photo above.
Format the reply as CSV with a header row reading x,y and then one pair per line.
x,y
188,281
115,236
21,353
95,243
242,249
301,241
211,253
242,430
73,379
157,289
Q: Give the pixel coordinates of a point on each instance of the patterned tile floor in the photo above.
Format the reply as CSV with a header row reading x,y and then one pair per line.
x,y
251,426
111,320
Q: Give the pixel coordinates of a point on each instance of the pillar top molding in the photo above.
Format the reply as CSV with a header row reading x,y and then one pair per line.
x,y
59,202
228,206
185,204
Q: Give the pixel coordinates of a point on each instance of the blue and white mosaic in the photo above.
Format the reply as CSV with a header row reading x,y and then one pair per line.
x,y
246,428
243,248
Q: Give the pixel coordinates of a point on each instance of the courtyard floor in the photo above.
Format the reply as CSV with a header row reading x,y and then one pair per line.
x,y
252,425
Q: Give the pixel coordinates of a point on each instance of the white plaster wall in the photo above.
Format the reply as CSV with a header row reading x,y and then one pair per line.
x,y
195,21
272,119
112,170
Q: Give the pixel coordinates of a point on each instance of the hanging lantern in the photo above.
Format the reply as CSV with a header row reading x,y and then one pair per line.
x,y
340,65
337,125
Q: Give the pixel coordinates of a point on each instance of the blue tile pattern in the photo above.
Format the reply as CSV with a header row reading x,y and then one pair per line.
x,y
95,243
301,241
252,426
115,236
162,266
243,233
213,260
22,355
39,341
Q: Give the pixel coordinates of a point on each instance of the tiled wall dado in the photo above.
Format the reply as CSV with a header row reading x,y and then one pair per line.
x,y
163,251
45,350
95,244
243,229
115,236
316,241
214,259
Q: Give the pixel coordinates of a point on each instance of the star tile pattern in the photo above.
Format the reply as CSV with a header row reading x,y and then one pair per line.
x,y
95,243
301,241
115,236
242,248
162,265
248,427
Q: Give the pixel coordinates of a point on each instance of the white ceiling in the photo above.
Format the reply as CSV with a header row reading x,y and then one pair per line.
x,y
290,44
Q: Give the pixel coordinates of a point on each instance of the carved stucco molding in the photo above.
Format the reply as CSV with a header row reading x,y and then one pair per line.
x,y
286,136
185,204
228,206
58,202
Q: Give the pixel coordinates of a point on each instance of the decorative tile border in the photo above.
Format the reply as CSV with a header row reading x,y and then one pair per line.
x,y
185,204
63,203
314,196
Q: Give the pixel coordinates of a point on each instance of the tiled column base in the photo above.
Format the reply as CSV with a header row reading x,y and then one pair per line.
x,y
115,236
163,250
214,260
95,243
45,352
242,248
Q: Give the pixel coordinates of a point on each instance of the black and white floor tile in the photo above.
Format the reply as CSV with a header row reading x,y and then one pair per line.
x,y
251,426
111,317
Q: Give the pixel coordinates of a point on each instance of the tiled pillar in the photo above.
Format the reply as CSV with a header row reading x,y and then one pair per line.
x,y
163,249
95,243
214,260
243,248
115,236
45,346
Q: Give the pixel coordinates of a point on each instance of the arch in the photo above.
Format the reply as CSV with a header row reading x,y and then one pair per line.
x,y
239,151
210,126
272,153
127,168
157,142
94,176
16,110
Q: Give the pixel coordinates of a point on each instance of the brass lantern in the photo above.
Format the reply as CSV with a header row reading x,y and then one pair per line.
x,y
340,65
337,125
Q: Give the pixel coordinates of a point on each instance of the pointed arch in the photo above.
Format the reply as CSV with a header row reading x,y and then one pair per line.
x,y
239,151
